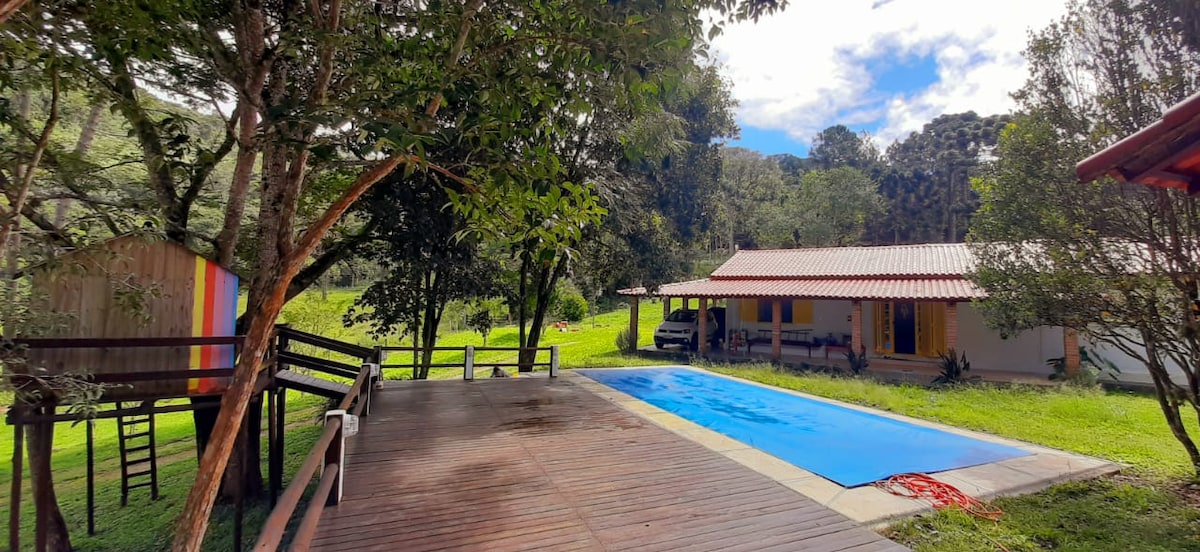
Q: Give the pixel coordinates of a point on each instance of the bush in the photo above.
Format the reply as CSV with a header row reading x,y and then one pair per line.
x,y
625,342
1092,368
858,361
953,368
571,307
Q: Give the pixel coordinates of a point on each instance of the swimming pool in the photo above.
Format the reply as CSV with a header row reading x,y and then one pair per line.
x,y
847,446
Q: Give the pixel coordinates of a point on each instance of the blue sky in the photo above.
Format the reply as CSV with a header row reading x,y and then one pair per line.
x,y
890,76
883,67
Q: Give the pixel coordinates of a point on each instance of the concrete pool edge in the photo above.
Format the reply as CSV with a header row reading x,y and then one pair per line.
x,y
868,505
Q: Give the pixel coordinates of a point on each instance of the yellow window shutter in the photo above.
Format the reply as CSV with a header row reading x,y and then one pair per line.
x,y
748,310
883,327
802,312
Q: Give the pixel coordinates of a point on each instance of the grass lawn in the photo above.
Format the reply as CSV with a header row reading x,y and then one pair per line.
x,y
1143,510
144,524
588,343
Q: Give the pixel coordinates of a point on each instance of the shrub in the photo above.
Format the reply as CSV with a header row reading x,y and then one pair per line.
x,y
953,367
625,341
571,306
858,361
1092,367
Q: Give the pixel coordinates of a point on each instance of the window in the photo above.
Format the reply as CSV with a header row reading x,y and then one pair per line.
x,y
765,315
793,312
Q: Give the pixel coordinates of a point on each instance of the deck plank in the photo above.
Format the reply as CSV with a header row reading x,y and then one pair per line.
x,y
537,464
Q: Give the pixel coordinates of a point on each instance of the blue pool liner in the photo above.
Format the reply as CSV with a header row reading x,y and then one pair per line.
x,y
847,446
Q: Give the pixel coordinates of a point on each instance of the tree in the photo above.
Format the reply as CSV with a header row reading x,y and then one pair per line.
x,y
749,186
416,240
927,178
838,146
1116,262
834,206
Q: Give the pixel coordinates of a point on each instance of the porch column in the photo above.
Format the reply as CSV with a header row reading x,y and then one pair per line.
x,y
951,326
856,340
633,322
776,329
703,337
666,307
1071,351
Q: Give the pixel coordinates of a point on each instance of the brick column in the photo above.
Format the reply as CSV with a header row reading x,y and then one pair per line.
x,y
633,322
776,329
666,307
951,326
1071,350
703,337
856,338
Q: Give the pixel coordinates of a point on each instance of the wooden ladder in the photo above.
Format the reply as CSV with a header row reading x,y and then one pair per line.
x,y
135,434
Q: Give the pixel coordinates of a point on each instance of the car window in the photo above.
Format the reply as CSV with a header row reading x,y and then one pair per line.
x,y
685,316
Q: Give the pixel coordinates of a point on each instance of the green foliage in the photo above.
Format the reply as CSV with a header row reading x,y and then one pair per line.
x,y
625,342
571,306
1116,262
1102,516
858,361
1092,367
952,368
481,322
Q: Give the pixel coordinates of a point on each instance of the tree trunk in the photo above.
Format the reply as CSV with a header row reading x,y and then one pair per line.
x,y
547,279
81,148
40,439
243,173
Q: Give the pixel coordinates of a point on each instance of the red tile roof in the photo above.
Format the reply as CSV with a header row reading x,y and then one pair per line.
x,y
941,289
930,272
926,260
1164,154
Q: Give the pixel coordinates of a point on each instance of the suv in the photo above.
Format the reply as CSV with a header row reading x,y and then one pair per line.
x,y
683,327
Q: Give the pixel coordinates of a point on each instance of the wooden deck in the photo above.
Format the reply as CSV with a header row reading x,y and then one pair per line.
x,y
539,464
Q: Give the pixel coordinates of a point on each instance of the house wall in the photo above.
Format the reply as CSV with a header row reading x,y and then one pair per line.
x,y
829,317
1025,353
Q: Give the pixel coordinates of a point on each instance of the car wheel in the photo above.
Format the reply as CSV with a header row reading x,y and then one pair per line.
x,y
694,343
658,344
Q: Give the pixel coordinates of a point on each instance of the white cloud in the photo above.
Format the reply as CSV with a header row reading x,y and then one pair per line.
x,y
805,69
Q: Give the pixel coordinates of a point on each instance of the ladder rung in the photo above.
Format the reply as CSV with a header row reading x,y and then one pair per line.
x,y
139,448
138,461
125,421
136,435
137,485
138,474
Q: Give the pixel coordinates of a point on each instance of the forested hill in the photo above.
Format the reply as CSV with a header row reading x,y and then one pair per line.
x,y
849,192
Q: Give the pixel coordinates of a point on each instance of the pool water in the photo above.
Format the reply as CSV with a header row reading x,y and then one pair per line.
x,y
847,446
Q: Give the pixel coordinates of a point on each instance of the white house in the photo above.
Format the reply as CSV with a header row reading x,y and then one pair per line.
x,y
903,305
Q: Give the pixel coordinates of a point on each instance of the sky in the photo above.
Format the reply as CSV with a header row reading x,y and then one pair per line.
x,y
883,66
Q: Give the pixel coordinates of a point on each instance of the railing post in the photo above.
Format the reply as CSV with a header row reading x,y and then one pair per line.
x,y
469,363
380,354
554,361
336,454
365,392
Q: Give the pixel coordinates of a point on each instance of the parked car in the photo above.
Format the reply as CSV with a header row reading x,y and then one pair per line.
x,y
683,327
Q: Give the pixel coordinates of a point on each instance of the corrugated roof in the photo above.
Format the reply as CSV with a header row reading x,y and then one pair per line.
x,y
927,289
893,261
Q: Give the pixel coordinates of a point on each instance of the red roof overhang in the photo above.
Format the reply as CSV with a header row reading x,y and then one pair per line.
x,y
867,289
1165,154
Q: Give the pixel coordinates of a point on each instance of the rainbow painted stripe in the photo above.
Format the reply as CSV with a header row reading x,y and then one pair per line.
x,y
214,313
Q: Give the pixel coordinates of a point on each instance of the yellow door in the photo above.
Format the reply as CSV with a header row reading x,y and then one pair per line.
x,y
931,329
883,328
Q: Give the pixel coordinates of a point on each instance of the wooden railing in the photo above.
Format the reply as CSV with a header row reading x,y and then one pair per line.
x,y
328,453
469,363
